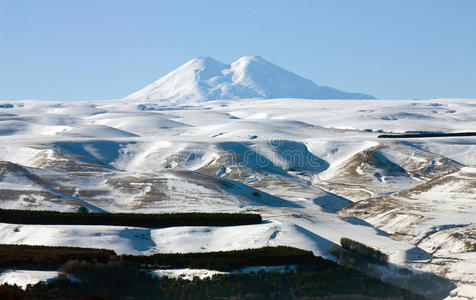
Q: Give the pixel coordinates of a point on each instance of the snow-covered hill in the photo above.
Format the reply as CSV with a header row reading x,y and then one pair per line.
x,y
315,170
204,79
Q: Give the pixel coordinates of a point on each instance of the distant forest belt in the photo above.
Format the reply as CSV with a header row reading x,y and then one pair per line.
x,y
425,135
127,219
52,258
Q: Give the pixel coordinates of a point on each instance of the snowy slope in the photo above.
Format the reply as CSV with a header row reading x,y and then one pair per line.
x,y
204,79
23,278
315,170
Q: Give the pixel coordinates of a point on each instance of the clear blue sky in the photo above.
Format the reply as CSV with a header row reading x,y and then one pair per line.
x,y
104,49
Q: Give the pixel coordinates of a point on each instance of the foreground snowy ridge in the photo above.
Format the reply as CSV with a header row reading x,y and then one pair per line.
x,y
205,79
315,170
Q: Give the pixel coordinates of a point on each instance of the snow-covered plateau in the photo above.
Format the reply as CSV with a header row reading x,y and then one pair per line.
x,y
316,171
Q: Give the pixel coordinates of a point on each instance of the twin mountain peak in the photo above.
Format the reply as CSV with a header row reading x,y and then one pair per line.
x,y
205,79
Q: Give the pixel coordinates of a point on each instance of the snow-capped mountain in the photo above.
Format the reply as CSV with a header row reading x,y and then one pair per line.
x,y
204,79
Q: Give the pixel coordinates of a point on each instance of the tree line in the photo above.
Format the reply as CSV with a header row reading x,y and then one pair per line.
x,y
127,219
52,258
369,253
224,260
322,279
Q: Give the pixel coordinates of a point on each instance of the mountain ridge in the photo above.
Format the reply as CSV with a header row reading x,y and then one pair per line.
x,y
205,78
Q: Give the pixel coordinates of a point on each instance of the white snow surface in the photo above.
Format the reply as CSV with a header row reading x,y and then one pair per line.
x,y
314,169
22,278
189,274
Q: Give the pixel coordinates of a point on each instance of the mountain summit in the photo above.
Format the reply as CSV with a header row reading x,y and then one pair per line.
x,y
204,79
